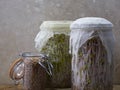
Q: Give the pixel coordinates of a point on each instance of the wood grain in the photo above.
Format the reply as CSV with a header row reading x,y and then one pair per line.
x,y
11,87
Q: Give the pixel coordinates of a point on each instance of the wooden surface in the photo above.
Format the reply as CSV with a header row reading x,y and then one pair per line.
x,y
8,87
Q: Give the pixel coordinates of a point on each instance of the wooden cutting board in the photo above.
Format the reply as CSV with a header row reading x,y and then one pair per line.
x,y
9,87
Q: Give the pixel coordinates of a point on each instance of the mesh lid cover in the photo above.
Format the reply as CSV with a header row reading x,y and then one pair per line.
x,y
91,22
55,25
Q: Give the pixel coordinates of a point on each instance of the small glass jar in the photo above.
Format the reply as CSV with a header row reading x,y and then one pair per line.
x,y
34,73
91,44
32,68
53,40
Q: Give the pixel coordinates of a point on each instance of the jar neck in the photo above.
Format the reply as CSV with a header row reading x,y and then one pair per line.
x,y
56,29
30,54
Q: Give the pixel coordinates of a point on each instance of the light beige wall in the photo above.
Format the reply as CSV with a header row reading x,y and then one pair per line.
x,y
20,20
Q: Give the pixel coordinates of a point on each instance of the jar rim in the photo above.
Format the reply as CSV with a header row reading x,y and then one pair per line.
x,y
91,23
56,25
31,54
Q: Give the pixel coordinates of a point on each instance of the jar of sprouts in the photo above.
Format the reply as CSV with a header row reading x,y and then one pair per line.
x,y
91,45
32,68
53,40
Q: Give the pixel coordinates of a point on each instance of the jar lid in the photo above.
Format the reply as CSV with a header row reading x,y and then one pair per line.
x,y
91,22
56,25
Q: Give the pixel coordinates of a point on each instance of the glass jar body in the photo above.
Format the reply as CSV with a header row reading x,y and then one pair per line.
x,y
57,48
93,70
34,74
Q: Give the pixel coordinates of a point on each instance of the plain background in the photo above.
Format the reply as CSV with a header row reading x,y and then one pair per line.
x,y
20,21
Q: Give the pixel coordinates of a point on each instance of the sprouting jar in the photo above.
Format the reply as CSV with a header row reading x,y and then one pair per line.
x,y
31,68
53,40
91,46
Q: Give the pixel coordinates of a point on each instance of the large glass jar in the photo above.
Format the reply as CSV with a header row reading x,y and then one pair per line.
x,y
53,40
91,43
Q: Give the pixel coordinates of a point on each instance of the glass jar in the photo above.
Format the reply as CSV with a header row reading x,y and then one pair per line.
x,y
53,40
32,69
91,44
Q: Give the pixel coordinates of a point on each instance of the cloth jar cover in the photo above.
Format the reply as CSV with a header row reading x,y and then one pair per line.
x,y
91,46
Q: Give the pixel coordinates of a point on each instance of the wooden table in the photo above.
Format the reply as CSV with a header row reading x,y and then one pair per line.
x,y
9,87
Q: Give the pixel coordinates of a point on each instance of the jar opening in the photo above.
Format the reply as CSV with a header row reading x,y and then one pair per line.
x,y
56,25
31,54
91,23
